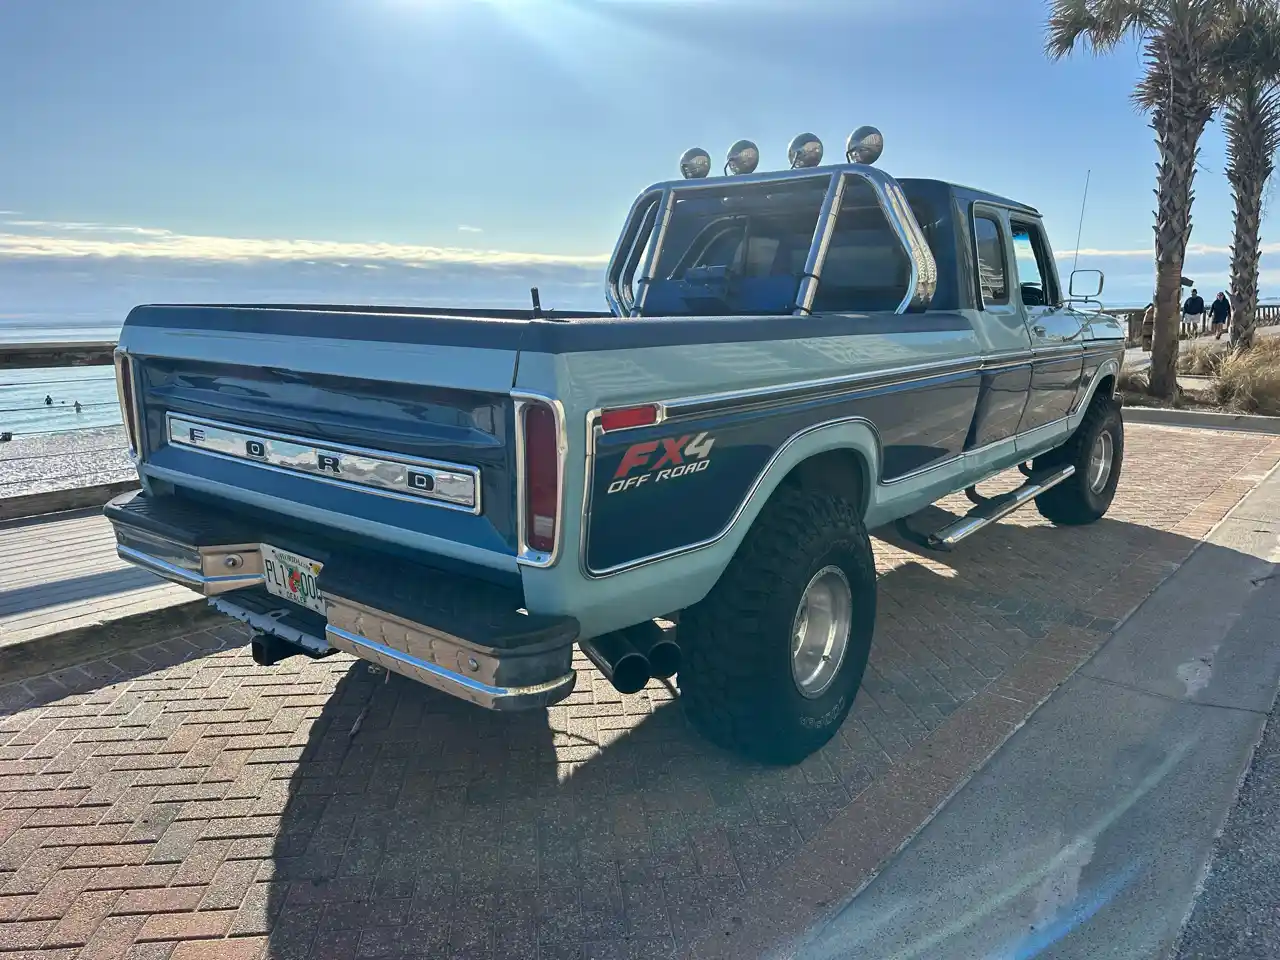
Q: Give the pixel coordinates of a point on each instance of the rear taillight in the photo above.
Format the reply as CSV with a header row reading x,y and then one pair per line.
x,y
541,477
124,388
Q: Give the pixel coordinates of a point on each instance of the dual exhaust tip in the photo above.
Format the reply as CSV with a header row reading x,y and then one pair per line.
x,y
630,658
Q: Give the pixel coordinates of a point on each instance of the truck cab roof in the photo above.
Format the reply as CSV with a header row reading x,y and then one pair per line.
x,y
937,189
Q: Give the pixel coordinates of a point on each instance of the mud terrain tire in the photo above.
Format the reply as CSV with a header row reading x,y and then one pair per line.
x,y
738,686
1078,499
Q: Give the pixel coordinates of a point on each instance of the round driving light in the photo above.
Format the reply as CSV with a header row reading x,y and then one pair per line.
x,y
744,157
695,163
865,145
804,151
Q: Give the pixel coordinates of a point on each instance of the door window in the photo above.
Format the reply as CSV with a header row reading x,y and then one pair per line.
x,y
1035,278
992,275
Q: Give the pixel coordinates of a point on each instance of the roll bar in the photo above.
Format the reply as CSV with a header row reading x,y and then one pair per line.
x,y
645,231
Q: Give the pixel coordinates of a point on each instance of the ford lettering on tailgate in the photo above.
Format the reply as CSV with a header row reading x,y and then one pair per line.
x,y
444,484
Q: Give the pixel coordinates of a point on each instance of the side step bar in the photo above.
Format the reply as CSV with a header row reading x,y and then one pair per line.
x,y
988,511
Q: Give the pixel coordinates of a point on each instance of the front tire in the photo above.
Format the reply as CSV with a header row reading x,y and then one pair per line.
x,y
1096,450
776,651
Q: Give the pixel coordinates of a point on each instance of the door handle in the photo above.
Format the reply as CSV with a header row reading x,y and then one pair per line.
x,y
1038,330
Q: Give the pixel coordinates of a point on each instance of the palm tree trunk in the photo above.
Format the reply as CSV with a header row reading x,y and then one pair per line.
x,y
1178,118
1246,251
1164,340
1173,230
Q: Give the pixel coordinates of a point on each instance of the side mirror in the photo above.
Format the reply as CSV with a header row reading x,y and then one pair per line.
x,y
1086,284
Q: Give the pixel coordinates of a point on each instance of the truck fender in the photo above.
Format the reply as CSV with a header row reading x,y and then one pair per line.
x,y
855,435
1109,368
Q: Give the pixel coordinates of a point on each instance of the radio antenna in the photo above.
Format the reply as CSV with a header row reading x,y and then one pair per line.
x,y
1080,229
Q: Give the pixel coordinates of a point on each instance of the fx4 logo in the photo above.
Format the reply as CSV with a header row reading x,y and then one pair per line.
x,y
677,457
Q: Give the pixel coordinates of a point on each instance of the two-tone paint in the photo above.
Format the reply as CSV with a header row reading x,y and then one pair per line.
x,y
923,402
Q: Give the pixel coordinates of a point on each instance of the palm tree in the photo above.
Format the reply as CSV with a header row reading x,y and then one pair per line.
x,y
1252,125
1182,83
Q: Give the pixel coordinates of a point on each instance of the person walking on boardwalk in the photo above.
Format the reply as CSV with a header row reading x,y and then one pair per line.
x,y
1220,311
1192,313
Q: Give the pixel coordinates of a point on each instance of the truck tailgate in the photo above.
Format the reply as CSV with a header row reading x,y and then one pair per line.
x,y
390,426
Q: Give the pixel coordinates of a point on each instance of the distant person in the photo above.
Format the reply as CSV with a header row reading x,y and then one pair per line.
x,y
48,400
1221,313
1192,313
1148,325
78,407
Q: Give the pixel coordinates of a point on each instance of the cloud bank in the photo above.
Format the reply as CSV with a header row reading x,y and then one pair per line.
x,y
80,279
29,239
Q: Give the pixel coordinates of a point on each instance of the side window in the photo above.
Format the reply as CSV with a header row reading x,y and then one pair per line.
x,y
992,274
1035,278
865,268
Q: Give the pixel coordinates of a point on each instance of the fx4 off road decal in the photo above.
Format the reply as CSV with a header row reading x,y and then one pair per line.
x,y
657,461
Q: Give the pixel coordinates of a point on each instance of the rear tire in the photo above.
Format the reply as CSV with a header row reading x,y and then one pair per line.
x,y
743,685
1096,450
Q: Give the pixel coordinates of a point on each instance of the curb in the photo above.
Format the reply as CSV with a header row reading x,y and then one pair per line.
x,y
58,501
39,655
1240,422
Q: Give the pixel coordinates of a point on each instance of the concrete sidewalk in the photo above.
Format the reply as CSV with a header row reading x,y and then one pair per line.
x,y
1236,916
1088,833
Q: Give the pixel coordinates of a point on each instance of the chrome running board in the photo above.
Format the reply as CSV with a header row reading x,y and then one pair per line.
x,y
988,511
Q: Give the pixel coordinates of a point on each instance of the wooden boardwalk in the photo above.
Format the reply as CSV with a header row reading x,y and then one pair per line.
x,y
61,572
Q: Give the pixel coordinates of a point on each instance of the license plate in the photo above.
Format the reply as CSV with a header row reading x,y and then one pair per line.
x,y
292,577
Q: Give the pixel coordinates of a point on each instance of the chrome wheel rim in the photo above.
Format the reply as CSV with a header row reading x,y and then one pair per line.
x,y
1100,461
820,631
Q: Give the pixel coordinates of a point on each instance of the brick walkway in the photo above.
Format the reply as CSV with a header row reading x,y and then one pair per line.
x,y
180,801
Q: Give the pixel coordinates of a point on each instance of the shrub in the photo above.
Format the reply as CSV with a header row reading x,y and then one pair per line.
x,y
1250,381
1131,381
1201,358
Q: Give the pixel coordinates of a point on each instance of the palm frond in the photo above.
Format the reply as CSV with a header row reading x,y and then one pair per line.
x,y
1251,123
1097,24
1248,52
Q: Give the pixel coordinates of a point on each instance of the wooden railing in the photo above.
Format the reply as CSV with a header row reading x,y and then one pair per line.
x,y
1268,315
28,356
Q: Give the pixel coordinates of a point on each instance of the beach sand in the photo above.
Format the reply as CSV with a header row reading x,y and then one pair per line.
x,y
60,461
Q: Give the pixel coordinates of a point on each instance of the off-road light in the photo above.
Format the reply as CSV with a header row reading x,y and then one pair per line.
x,y
864,146
744,157
695,163
804,151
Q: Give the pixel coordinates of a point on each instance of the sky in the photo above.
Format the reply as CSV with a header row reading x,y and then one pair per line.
x,y
461,151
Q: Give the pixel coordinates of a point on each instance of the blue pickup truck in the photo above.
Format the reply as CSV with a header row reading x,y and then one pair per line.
x,y
680,485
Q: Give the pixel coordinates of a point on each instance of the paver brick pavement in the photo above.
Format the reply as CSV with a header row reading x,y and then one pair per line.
x,y
179,801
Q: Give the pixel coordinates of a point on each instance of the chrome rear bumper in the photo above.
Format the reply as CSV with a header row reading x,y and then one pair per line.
x,y
497,660
206,570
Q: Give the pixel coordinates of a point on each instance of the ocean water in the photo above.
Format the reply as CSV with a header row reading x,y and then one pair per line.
x,y
23,411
